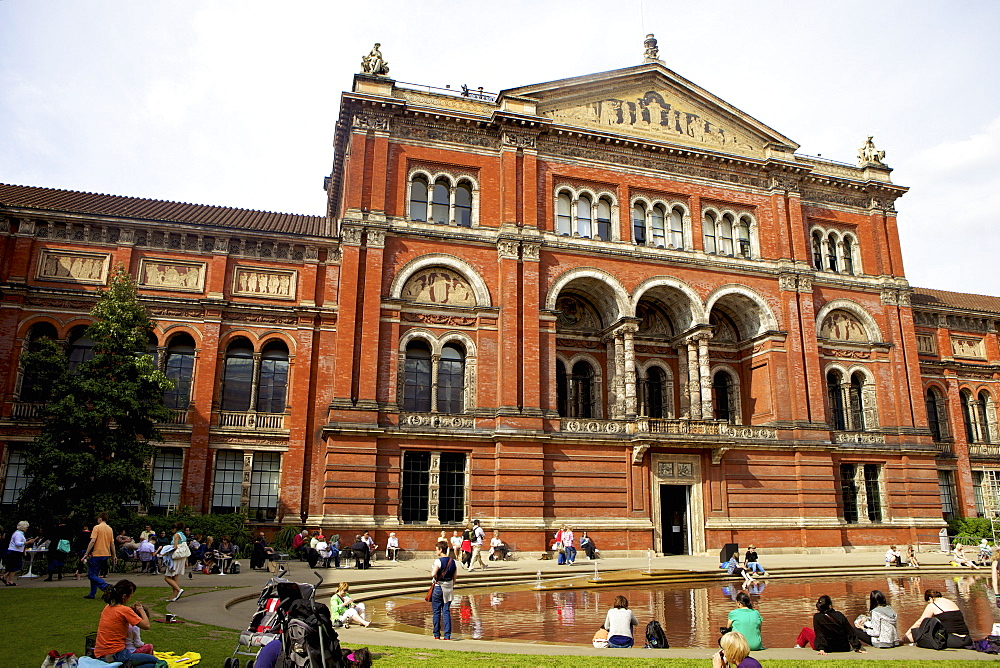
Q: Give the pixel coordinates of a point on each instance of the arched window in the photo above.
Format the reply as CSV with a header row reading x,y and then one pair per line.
x,y
933,422
273,383
564,214
722,389
604,219
857,402
726,235
463,205
984,425
179,368
451,380
654,394
676,228
831,251
31,390
836,397
418,199
562,390
817,244
848,255
708,230
237,376
743,238
80,349
441,202
967,416
417,378
657,225
639,222
584,211
581,390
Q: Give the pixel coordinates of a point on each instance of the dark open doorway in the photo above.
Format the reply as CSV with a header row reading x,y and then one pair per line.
x,y
674,518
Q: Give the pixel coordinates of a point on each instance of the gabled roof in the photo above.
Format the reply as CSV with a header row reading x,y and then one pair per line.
x,y
71,201
653,102
957,300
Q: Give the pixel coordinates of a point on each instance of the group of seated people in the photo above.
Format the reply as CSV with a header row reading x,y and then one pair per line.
x,y
317,547
893,557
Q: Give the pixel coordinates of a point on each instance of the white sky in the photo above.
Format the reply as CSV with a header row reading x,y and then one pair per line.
x,y
234,103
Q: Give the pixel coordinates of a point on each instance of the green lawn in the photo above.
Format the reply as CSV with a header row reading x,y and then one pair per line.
x,y
33,621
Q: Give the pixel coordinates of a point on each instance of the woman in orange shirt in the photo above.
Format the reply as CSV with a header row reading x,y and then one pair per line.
x,y
116,618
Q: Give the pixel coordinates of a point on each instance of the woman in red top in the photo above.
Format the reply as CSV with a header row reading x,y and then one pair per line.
x,y
116,618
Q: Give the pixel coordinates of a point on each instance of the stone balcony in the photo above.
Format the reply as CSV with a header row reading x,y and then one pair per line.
x,y
252,421
984,451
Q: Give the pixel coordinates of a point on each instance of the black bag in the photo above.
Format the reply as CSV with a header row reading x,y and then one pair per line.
x,y
655,637
930,634
310,639
234,568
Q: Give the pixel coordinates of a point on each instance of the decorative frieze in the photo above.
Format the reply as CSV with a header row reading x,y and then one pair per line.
x,y
575,426
259,282
749,433
518,139
440,319
531,252
368,121
171,275
968,347
350,235
73,267
433,421
857,437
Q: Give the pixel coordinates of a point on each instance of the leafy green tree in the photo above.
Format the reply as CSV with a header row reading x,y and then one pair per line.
x,y
100,417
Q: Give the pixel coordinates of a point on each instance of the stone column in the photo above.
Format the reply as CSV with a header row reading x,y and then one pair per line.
x,y
435,363
628,341
705,372
682,383
254,383
613,378
694,384
620,376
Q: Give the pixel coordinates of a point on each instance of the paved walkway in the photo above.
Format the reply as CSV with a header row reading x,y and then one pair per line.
x,y
203,601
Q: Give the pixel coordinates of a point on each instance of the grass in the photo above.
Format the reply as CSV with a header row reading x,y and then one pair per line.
x,y
34,621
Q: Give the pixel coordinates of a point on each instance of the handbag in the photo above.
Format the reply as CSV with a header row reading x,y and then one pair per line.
x,y
430,592
63,546
182,551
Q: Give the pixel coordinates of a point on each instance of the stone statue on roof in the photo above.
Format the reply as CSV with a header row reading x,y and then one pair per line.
x,y
374,64
869,155
652,51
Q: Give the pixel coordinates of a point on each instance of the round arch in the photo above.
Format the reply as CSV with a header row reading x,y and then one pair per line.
x,y
695,309
467,271
609,295
763,320
871,327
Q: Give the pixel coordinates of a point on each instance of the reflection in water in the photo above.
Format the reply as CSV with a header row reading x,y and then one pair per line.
x,y
691,616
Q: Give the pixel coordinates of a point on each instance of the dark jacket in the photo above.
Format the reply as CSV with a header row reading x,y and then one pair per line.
x,y
834,633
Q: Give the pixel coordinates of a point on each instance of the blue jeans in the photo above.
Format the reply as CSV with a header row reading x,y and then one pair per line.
x,y
755,567
570,554
94,565
134,659
620,641
442,612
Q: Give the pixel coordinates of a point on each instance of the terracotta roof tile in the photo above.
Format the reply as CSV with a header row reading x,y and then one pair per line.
x,y
959,300
71,201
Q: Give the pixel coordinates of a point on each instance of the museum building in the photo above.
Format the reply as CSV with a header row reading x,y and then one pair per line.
x,y
613,301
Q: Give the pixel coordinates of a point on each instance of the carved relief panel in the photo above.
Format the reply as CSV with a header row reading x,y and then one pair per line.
x,y
437,285
269,283
969,348
843,326
73,267
171,275
926,344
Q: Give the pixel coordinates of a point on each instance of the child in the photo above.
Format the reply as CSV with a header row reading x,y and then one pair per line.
x,y
133,640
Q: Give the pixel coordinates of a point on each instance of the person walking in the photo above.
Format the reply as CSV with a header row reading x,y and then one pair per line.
x,y
99,550
443,574
569,544
478,536
176,563
59,549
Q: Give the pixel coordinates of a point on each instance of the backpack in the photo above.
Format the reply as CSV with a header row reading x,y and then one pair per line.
x,y
234,569
655,637
309,638
930,634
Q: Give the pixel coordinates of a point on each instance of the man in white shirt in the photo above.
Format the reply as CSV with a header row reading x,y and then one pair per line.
x,y
478,536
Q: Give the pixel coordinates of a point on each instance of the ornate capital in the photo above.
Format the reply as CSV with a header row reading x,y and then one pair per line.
x,y
805,283
890,297
507,249
904,298
376,237
785,182
531,251
334,255
350,236
126,237
787,282
221,245
311,254
367,121
26,228
518,139
4,226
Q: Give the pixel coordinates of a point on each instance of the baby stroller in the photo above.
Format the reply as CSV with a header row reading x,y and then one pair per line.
x,y
288,611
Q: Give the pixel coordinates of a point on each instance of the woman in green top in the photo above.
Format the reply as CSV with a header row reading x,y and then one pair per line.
x,y
747,621
344,610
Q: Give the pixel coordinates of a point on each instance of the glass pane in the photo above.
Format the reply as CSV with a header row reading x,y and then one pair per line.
x,y
562,390
726,237
817,251
930,404
237,381
227,481
582,390
708,228
857,406
463,206
849,493
168,469
848,256
657,226
273,385
583,217
945,487
16,478
564,218
639,223
179,368
970,432
451,385
442,202
676,229
984,426
413,497
831,249
417,379
418,200
873,492
720,396
451,508
264,479
836,401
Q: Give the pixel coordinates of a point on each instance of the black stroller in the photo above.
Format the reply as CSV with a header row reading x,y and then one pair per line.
x,y
289,611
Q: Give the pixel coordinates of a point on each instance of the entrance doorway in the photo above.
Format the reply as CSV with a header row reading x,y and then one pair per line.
x,y
674,518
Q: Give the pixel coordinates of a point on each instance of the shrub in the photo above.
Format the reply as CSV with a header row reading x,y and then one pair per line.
x,y
283,539
970,527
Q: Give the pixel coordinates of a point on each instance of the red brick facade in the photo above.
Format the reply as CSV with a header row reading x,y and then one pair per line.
x,y
638,386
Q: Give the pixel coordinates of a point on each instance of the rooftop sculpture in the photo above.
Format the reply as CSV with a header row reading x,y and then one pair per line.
x,y
374,64
869,155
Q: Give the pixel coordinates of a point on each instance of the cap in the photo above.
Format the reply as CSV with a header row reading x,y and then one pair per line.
x,y
475,521
321,537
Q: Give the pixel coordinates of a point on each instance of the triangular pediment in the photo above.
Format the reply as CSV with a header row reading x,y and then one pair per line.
x,y
653,103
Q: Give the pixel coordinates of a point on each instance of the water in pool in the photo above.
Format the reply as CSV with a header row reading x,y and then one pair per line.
x,y
691,615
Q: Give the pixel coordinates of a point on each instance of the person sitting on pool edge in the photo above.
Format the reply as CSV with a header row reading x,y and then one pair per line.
x,y
619,623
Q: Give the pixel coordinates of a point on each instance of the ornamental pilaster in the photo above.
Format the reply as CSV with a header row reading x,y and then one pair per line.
x,y
705,374
694,385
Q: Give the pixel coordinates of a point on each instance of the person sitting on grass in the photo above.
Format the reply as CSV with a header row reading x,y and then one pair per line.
x,y
113,628
735,652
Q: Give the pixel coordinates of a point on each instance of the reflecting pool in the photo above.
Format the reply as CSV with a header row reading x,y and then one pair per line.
x,y
691,615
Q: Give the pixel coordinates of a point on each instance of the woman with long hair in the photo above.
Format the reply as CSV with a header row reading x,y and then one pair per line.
x,y
344,609
178,566
113,629
747,621
619,623
879,628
